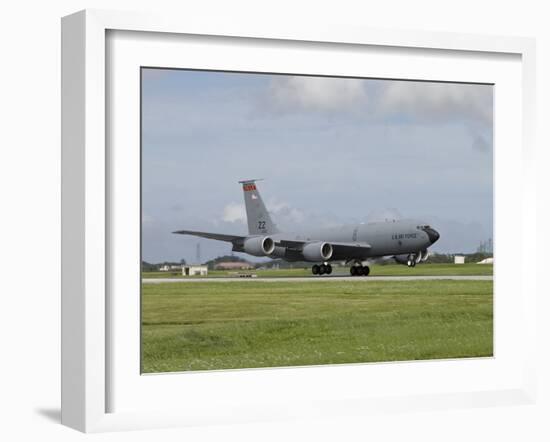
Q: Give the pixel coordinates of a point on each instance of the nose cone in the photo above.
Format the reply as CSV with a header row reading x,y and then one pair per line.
x,y
433,234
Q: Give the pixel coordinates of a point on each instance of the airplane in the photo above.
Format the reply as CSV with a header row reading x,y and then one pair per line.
x,y
406,241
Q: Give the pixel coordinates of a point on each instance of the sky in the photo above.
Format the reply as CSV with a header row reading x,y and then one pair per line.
x,y
331,151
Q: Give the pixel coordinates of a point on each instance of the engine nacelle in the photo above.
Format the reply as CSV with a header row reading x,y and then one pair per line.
x,y
259,246
317,251
279,252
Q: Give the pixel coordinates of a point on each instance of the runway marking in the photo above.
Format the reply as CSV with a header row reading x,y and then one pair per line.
x,y
324,278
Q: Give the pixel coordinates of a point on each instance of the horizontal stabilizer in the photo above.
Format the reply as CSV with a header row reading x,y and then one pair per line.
x,y
218,236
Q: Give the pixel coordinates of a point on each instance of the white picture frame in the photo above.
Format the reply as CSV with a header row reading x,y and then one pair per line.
x,y
87,211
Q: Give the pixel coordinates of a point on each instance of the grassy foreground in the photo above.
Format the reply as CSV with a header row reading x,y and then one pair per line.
x,y
376,270
214,325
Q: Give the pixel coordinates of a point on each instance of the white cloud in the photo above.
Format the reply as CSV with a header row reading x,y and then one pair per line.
x,y
284,215
430,100
234,212
418,100
316,93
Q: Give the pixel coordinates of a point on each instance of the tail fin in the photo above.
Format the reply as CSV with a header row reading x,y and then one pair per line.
x,y
257,215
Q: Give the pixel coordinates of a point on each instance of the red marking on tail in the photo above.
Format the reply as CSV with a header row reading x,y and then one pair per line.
x,y
249,187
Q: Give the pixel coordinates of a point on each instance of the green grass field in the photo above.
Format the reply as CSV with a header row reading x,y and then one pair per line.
x,y
245,324
376,270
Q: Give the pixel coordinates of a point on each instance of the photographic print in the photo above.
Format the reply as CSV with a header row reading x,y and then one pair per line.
x,y
296,220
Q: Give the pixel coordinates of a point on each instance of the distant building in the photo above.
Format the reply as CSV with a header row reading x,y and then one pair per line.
x,y
237,265
459,259
487,261
167,268
194,270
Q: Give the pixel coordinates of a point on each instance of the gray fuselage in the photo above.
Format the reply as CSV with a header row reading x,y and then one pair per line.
x,y
394,237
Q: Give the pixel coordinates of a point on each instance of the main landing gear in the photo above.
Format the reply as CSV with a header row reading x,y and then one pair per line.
x,y
359,270
321,269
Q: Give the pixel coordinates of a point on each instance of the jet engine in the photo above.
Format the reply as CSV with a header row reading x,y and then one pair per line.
x,y
317,251
259,245
280,252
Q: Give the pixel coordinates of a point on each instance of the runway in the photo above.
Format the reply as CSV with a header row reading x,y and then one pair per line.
x,y
322,278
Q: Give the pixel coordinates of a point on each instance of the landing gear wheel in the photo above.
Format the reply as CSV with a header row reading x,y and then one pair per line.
x,y
357,270
328,269
315,269
322,269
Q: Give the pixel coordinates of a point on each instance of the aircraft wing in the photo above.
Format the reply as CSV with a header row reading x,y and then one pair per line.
x,y
340,250
350,248
218,236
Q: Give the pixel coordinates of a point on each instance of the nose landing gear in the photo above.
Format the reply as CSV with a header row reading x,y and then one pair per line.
x,y
321,269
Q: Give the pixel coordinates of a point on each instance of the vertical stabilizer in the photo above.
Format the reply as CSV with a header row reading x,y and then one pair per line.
x,y
259,221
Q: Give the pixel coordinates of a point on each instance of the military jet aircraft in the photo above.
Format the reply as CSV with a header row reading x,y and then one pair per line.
x,y
405,241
